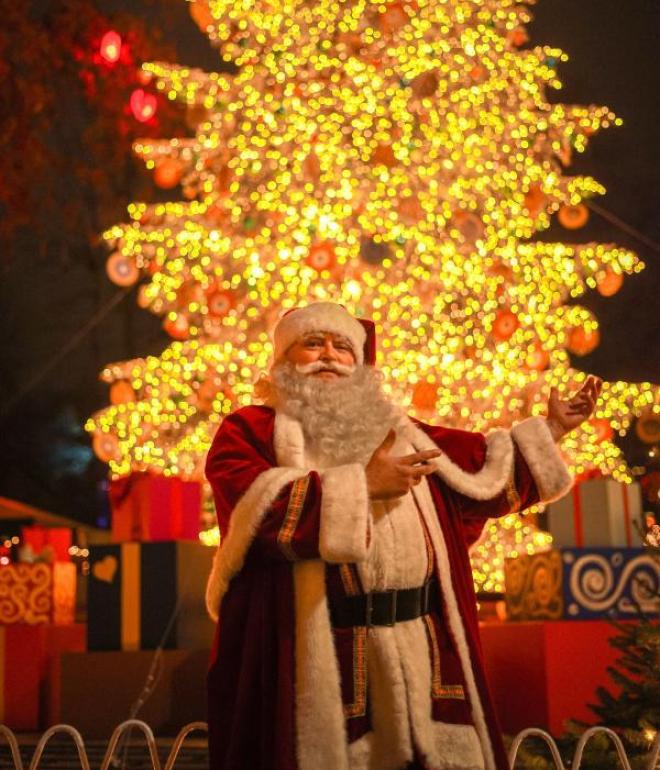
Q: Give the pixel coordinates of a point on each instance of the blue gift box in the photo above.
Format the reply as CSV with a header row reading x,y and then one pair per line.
x,y
582,584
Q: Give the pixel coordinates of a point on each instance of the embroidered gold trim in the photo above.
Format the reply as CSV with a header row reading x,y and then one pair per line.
x,y
291,517
348,579
358,707
439,690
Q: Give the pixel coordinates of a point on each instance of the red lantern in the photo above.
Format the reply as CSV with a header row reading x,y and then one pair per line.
x,y
425,395
582,341
504,325
321,256
602,429
573,217
220,301
143,105
110,48
610,283
121,269
168,173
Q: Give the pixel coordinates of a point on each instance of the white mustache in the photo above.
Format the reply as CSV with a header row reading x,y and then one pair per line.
x,y
332,366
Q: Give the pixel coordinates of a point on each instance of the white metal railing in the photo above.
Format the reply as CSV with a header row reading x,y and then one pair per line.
x,y
130,724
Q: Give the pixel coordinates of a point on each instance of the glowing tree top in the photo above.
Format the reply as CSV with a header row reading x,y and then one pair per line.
x,y
395,157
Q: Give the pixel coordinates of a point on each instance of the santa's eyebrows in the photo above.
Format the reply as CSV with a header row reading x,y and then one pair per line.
x,y
321,336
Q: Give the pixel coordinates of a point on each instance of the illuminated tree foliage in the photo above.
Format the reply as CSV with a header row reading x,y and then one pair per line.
x,y
394,157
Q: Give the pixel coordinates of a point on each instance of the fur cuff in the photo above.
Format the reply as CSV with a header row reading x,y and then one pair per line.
x,y
245,520
345,514
542,455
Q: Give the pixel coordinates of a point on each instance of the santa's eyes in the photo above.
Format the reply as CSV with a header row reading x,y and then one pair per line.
x,y
319,343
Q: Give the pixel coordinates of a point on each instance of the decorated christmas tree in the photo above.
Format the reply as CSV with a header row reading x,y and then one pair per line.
x,y
395,157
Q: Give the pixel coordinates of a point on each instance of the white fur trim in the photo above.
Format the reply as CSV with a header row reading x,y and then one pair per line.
x,y
320,727
485,483
534,438
345,514
245,520
423,496
319,317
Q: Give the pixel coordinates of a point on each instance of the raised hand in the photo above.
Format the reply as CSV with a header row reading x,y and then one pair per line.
x,y
564,415
389,477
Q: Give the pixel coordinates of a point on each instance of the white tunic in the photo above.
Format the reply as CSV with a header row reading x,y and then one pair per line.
x,y
398,660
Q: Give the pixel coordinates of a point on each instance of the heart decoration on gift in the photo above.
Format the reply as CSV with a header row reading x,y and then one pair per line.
x,y
105,569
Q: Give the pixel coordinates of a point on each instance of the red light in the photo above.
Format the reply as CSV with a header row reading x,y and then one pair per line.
x,y
111,46
143,105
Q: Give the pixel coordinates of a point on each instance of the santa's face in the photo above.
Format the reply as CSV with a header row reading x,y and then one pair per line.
x,y
322,355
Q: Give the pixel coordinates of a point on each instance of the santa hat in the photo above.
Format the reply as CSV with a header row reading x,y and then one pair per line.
x,y
326,317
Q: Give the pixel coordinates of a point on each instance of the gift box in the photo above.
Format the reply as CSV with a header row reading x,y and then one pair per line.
x,y
38,593
28,657
597,512
58,539
148,507
581,583
146,595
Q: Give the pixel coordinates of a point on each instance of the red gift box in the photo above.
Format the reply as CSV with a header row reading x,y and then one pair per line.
x,y
147,507
29,677
58,538
33,594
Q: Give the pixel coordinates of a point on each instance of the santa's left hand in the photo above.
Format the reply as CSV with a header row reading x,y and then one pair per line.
x,y
564,415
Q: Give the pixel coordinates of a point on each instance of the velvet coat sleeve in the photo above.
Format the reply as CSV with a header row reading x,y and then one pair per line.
x,y
318,515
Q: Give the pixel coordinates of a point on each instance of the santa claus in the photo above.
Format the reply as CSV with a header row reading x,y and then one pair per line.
x,y
347,634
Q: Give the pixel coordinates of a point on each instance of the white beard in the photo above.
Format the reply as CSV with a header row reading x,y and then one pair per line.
x,y
344,420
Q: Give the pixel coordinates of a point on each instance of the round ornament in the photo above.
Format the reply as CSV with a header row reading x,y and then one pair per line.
x,y
538,358
573,217
168,173
121,392
582,341
609,283
647,427
504,325
201,14
602,429
321,256
425,395
373,252
535,200
220,302
178,328
105,446
121,269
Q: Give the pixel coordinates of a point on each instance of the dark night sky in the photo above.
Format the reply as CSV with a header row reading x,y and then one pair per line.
x,y
45,458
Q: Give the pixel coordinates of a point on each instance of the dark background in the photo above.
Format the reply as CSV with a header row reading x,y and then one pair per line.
x,y
49,292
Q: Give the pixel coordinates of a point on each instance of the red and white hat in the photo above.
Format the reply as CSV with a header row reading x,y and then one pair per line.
x,y
326,317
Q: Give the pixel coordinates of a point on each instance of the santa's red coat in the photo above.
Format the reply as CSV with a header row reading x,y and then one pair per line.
x,y
251,680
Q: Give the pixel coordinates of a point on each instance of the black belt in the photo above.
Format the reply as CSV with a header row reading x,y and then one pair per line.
x,y
384,608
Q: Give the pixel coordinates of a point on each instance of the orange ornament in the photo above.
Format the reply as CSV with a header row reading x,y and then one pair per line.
x,y
535,200
384,154
538,358
610,283
168,173
573,217
581,342
220,302
121,392
105,446
201,14
647,427
393,18
602,429
518,36
121,270
178,329
425,395
321,256
504,325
